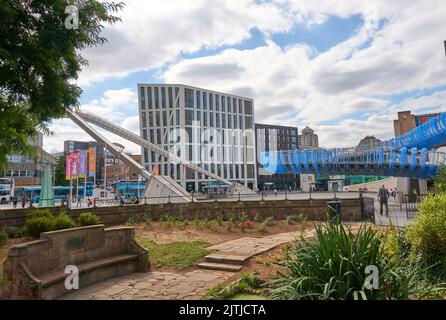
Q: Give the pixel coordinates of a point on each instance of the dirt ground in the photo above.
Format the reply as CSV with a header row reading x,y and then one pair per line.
x,y
158,232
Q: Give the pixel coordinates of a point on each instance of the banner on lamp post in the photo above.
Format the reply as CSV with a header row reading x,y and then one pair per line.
x,y
91,162
71,166
82,163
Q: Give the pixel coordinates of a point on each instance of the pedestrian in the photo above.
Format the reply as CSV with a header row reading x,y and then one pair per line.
x,y
89,202
275,192
383,197
121,200
14,202
79,198
23,201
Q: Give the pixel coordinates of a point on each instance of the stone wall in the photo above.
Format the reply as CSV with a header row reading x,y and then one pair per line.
x,y
352,210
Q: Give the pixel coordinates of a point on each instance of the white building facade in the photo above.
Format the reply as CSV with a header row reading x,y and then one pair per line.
x,y
211,129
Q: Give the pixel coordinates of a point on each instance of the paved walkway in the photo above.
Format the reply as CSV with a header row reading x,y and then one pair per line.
x,y
153,286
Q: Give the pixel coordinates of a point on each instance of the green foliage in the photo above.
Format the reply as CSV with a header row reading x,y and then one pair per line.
x,y
35,226
40,213
229,225
269,221
295,219
88,219
40,61
131,221
333,267
63,221
440,180
258,218
175,254
247,284
3,238
60,178
15,233
428,234
263,227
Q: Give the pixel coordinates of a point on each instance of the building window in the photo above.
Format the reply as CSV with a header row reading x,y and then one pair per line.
x,y
189,117
169,90
217,102
229,121
248,122
157,98
163,97
205,119
164,118
217,120
144,121
241,122
143,98
177,92
149,96
205,101
223,122
240,108
157,119
150,119
198,99
223,104
177,115
211,119
235,122
234,105
229,104
248,107
189,98
211,101
199,117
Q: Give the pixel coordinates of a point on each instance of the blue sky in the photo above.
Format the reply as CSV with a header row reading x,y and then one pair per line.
x,y
345,68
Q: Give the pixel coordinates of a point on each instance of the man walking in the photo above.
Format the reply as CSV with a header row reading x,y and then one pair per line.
x,y
383,197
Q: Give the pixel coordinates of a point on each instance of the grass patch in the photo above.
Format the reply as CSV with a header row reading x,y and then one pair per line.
x,y
3,253
179,255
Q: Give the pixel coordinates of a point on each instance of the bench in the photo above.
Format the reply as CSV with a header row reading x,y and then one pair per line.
x,y
36,269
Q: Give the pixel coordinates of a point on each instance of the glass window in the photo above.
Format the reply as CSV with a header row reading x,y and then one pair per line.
x,y
248,107
234,105
149,96
229,104
170,97
229,121
189,134
177,92
205,119
240,108
189,98
144,134
143,98
177,115
205,100
217,102
223,121
164,118
189,117
223,104
144,121
235,122
163,97
240,122
152,136
158,136
199,117
211,119
150,119
198,99
157,98
248,122
157,119
217,120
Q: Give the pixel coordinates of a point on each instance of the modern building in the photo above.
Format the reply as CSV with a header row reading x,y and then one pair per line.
x,y
275,138
70,146
28,170
407,121
211,129
122,171
308,139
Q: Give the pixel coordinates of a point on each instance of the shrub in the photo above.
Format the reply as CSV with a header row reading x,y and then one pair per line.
x,y
263,228
269,221
332,266
40,213
229,225
15,233
88,219
131,221
3,238
35,226
428,234
63,221
295,219
258,218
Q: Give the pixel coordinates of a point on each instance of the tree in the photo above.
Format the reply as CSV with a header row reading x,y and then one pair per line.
x,y
60,178
39,62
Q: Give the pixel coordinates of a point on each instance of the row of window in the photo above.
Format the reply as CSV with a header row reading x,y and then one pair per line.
x,y
205,100
225,121
18,173
159,97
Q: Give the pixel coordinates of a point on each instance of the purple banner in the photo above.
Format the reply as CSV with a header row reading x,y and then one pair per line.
x,y
82,163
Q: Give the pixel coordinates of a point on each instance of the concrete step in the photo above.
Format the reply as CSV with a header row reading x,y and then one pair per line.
x,y
226,258
220,266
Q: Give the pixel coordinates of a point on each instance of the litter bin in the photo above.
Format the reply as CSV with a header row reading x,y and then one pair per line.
x,y
334,211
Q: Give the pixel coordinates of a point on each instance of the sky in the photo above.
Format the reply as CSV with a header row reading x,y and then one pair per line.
x,y
344,68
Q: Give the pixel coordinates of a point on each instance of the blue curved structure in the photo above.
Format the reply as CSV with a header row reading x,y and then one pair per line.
x,y
410,155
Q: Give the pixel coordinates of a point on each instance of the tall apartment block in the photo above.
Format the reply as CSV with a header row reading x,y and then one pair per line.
x,y
211,129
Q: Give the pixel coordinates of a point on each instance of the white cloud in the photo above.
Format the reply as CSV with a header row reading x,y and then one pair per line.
x,y
154,32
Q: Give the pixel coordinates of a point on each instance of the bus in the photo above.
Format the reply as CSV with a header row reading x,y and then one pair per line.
x,y
6,190
60,193
129,188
